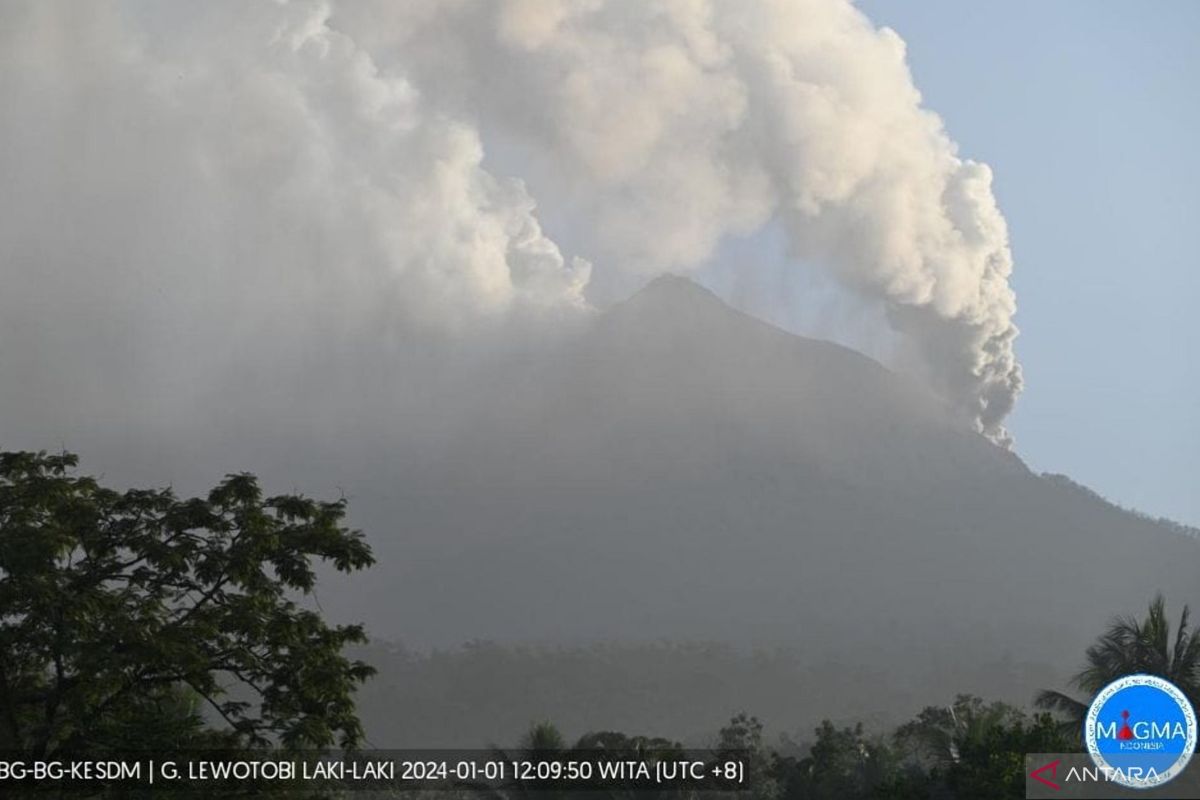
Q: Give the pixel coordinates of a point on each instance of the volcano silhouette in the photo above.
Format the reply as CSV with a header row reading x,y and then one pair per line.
x,y
683,471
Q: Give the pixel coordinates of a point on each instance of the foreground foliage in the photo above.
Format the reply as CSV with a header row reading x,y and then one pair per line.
x,y
127,617
969,750
1130,646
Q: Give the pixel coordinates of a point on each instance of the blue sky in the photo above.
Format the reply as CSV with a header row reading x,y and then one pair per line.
x,y
1089,113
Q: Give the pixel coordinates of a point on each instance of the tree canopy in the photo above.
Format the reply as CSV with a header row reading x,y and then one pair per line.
x,y
122,613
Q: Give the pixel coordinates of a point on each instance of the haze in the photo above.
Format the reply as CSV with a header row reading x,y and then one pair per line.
x,y
414,253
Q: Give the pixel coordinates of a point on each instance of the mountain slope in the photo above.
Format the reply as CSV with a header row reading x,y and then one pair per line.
x,y
682,471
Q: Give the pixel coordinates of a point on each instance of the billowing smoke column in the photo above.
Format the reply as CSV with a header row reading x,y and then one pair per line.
x,y
349,168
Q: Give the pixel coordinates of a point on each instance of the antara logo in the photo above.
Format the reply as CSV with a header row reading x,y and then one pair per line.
x,y
1131,776
1140,731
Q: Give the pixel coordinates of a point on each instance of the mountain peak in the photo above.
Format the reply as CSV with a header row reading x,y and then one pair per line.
x,y
671,309
671,303
672,289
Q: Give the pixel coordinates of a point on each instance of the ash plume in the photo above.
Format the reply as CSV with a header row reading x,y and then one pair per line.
x,y
209,187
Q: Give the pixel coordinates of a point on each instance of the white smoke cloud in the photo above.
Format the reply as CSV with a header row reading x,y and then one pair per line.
x,y
285,175
247,162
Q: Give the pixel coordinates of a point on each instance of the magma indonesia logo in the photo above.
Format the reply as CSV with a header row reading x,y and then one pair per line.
x,y
1141,731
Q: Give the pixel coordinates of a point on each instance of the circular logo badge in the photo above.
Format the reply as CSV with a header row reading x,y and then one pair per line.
x,y
1140,731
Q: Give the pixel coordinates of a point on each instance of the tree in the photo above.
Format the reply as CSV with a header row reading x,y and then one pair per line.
x,y
744,736
976,749
648,747
843,764
544,741
1132,646
939,734
118,606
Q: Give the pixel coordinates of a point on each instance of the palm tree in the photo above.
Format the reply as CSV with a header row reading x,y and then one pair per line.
x,y
1134,646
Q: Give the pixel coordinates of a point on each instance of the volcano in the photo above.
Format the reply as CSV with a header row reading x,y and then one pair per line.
x,y
680,471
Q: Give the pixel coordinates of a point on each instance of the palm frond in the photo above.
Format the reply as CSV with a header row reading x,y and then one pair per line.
x,y
1052,700
1130,645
